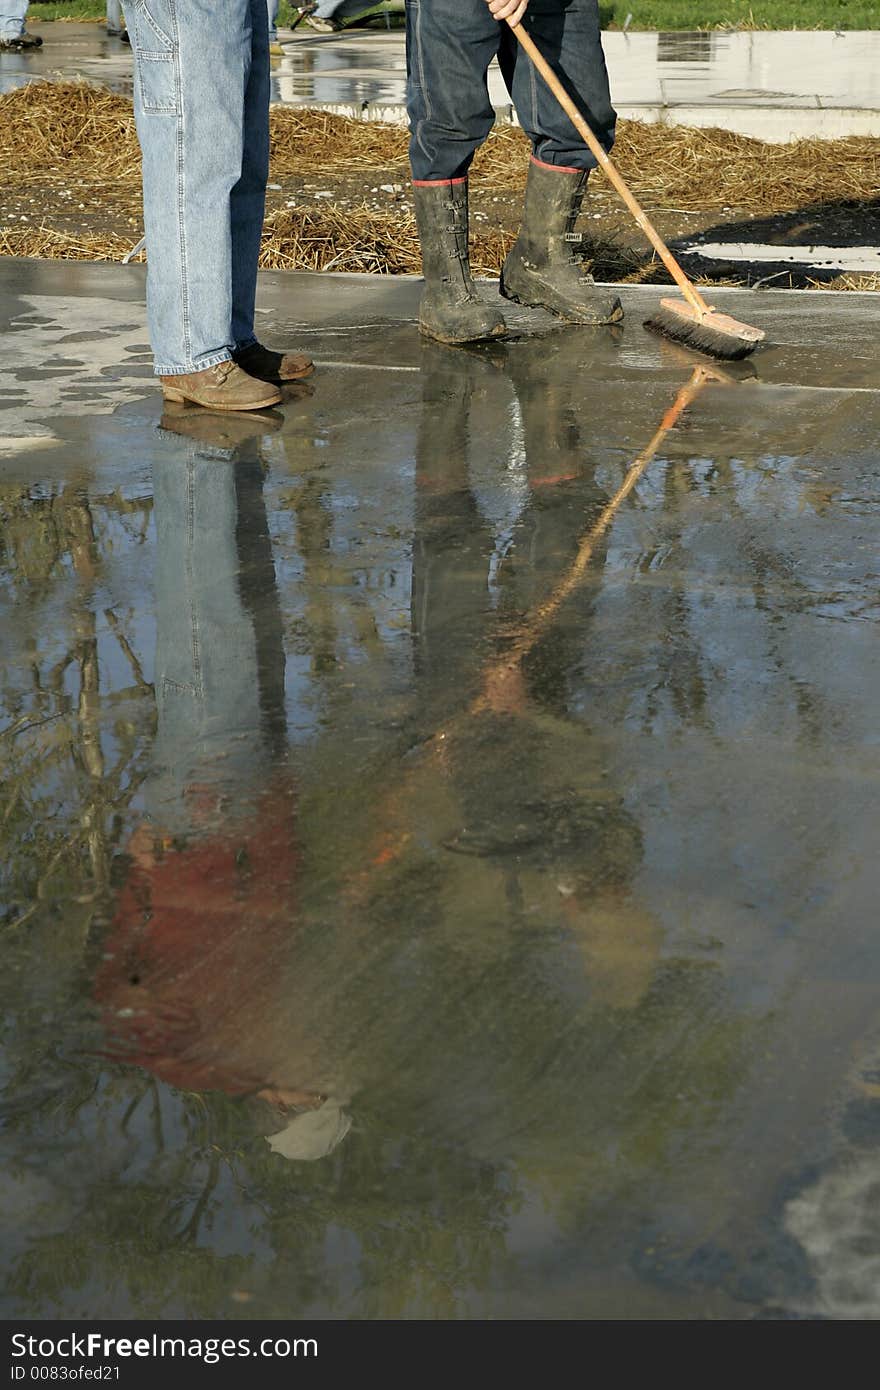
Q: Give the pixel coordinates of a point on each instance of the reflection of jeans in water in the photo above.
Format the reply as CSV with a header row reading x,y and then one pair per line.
x,y
202,111
12,16
207,670
450,44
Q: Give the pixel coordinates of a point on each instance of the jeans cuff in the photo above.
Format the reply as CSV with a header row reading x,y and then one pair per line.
x,y
212,360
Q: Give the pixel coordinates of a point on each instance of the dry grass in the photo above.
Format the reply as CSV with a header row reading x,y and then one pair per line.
x,y
850,282
77,128
69,129
325,238
313,142
360,239
704,169
62,246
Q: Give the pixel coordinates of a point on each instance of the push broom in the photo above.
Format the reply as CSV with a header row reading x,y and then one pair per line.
x,y
694,322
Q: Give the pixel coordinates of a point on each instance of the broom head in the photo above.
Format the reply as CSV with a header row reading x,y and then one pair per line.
x,y
706,331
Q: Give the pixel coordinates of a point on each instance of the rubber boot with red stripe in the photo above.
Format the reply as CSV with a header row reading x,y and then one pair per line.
x,y
542,268
451,310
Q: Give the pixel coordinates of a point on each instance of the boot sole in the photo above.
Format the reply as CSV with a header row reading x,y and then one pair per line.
x,y
179,398
597,322
299,376
463,342
286,380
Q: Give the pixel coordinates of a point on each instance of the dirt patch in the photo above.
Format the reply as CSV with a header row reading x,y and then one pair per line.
x,y
340,198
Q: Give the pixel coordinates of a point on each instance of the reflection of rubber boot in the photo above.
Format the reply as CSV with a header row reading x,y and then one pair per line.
x,y
451,310
541,376
452,543
542,270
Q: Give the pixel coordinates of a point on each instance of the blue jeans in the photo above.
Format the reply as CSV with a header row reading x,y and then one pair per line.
x,y
202,113
273,20
449,46
12,17
115,17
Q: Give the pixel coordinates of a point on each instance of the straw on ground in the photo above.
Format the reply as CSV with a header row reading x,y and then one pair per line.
x,y
58,131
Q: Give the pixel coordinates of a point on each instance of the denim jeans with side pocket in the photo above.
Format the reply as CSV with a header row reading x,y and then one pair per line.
x,y
450,44
202,113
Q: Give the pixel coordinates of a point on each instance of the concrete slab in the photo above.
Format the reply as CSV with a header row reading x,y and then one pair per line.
x,y
775,86
485,742
79,336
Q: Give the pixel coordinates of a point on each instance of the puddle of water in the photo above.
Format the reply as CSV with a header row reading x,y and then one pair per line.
x,y
430,886
854,260
830,87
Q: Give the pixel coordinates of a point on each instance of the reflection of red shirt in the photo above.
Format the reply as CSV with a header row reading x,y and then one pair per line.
x,y
193,953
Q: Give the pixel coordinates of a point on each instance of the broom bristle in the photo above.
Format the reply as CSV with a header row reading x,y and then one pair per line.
x,y
716,335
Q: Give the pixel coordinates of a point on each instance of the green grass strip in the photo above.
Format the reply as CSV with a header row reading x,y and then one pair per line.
x,y
646,14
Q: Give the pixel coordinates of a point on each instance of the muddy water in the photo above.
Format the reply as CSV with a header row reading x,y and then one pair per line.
x,y
429,890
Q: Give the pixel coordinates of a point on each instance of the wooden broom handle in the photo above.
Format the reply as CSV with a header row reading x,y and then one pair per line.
x,y
690,292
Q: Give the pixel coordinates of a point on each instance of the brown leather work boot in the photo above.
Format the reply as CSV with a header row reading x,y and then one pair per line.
x,y
275,367
223,387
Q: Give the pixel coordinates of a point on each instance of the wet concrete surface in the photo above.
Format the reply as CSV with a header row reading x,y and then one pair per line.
x,y
438,819
775,86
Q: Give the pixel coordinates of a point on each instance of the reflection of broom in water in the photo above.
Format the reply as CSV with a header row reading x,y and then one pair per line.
x,y
500,685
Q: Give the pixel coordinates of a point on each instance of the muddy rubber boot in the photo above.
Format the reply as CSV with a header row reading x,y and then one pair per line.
x,y
542,269
451,310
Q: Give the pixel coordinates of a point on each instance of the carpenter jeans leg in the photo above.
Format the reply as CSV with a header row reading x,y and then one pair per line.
x,y
12,17
201,106
568,34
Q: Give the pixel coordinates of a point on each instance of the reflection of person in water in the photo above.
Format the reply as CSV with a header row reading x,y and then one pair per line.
x,y
435,981
530,791
505,939
207,908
